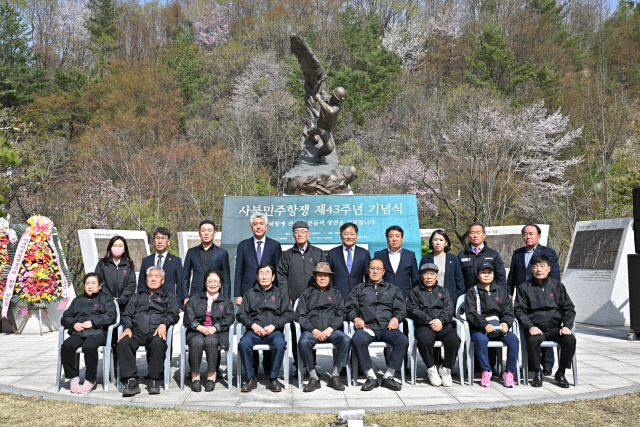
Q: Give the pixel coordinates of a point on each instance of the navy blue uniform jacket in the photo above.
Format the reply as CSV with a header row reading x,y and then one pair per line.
x,y
454,281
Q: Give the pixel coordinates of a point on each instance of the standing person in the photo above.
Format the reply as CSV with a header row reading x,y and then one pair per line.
x,y
431,309
207,317
520,272
320,312
477,252
171,264
376,309
400,265
145,321
348,262
295,270
264,311
117,271
546,312
449,271
489,311
205,256
252,252
87,320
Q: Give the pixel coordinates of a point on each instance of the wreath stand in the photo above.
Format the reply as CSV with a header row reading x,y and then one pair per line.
x,y
42,313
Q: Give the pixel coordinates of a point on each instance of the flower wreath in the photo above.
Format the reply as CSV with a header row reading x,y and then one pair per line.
x,y
7,236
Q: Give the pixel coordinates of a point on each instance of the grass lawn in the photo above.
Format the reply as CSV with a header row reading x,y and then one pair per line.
x,y
16,410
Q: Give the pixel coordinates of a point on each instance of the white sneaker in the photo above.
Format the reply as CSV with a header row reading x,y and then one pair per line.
x,y
434,378
445,374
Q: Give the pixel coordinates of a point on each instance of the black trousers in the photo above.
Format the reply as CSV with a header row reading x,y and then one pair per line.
x,y
427,337
209,344
156,348
567,347
89,348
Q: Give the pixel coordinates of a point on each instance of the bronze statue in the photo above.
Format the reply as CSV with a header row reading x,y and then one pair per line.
x,y
322,109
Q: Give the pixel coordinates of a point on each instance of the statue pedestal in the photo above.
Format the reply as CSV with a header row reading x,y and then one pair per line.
x,y
310,177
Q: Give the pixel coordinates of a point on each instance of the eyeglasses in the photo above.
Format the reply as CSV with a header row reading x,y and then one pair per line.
x,y
376,268
213,282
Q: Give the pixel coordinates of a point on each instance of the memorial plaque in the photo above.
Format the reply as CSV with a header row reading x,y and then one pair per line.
x,y
190,239
596,271
324,214
93,244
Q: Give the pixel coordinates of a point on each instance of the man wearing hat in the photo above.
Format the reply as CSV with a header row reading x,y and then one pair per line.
x,y
431,309
295,270
320,312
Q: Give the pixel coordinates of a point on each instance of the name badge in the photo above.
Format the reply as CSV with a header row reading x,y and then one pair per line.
x,y
487,258
465,259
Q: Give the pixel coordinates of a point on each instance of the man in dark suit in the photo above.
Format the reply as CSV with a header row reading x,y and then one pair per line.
x,y
171,264
349,262
202,258
399,263
253,252
477,252
520,272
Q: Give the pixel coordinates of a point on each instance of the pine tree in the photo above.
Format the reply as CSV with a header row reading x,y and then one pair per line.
x,y
103,29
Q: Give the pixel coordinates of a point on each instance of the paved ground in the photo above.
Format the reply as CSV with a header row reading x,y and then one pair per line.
x,y
607,364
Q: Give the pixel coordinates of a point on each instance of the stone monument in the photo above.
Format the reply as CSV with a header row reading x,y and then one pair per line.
x,y
318,170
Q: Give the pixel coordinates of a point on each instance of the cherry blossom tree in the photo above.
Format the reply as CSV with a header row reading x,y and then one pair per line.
x,y
213,27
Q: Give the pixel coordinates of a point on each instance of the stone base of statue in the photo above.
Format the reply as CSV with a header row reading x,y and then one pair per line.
x,y
311,177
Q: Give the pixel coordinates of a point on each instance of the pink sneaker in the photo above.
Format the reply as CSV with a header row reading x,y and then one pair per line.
x,y
86,387
75,385
508,379
486,379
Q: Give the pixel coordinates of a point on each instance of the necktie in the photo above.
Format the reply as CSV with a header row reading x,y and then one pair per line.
x,y
349,260
159,262
476,249
259,252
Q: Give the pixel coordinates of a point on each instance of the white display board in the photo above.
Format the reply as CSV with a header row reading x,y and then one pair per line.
x,y
190,239
595,273
93,244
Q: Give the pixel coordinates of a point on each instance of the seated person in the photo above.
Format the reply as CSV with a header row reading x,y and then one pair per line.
x,y
488,303
207,318
87,319
546,312
145,321
320,312
264,311
431,310
376,309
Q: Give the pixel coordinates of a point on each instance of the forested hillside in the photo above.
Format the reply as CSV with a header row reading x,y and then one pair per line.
x,y
125,114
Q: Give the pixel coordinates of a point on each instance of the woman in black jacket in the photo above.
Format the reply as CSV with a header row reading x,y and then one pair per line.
x,y
117,271
207,317
87,320
489,311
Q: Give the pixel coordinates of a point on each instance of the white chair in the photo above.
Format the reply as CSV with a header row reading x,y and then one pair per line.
x,y
167,359
492,344
525,355
286,360
107,358
184,348
413,350
374,344
318,346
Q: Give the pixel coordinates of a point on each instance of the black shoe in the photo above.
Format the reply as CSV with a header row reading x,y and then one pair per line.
x,y
370,384
391,384
196,386
537,379
209,385
251,384
312,385
131,389
561,381
335,383
275,386
154,388
546,371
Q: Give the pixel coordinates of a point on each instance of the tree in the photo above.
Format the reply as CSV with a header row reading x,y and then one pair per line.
x,y
11,130
19,76
102,25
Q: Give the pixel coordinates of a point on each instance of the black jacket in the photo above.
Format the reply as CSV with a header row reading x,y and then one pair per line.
x,y
469,262
145,312
270,307
320,309
495,302
99,308
424,305
119,282
376,307
295,270
546,306
195,314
